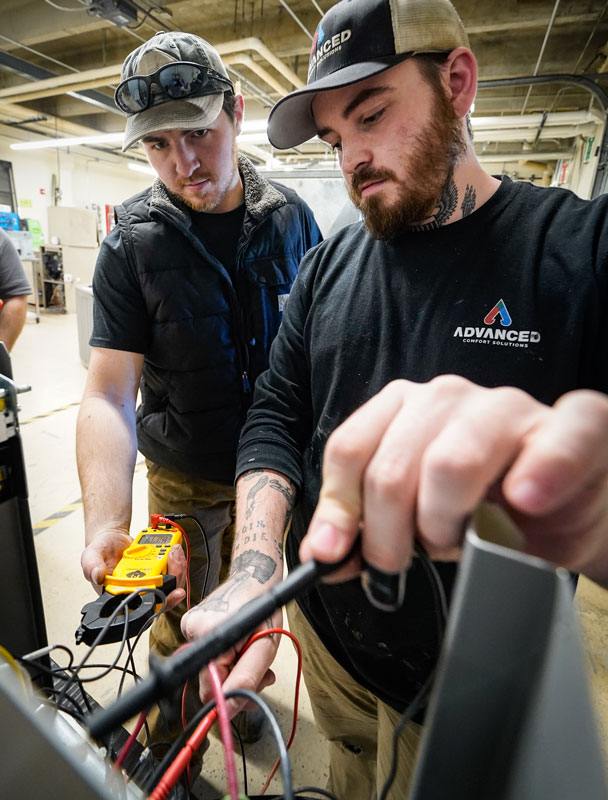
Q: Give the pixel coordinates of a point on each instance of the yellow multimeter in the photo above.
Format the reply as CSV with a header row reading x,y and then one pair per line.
x,y
142,572
144,562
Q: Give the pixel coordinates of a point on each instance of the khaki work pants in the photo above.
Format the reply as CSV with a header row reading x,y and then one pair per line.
x,y
358,726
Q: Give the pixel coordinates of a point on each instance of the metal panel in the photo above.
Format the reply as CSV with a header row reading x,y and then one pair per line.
x,y
510,717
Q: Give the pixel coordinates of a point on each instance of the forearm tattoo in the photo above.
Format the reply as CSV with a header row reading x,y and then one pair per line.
x,y
262,566
250,564
251,474
289,493
250,507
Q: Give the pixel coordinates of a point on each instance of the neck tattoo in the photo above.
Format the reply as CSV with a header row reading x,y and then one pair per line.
x,y
469,201
445,207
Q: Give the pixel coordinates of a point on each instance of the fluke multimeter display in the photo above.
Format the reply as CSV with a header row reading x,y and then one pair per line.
x,y
144,562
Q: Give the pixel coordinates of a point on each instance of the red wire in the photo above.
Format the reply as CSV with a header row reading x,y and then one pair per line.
x,y
142,717
129,743
224,718
182,760
296,643
167,521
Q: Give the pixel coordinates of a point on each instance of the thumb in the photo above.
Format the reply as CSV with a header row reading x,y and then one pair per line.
x,y
177,564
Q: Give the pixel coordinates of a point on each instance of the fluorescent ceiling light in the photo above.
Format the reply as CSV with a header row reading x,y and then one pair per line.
x,y
254,126
141,168
69,141
253,138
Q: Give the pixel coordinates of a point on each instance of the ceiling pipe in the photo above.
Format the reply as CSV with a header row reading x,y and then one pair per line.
x,y
51,126
534,120
542,50
297,19
253,43
50,85
247,61
59,84
529,134
19,65
522,155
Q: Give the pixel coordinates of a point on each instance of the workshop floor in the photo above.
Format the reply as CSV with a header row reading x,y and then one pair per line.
x,y
47,357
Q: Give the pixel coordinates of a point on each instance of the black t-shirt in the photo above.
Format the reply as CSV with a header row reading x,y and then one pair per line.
x,y
514,294
219,235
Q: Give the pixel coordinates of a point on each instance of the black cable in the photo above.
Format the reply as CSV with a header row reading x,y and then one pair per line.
x,y
205,541
315,790
274,726
132,645
79,714
99,639
406,717
441,611
244,759
64,673
125,669
439,598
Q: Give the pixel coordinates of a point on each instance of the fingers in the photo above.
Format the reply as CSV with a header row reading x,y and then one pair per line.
x,y
93,568
101,556
566,456
470,449
177,564
241,667
251,671
415,461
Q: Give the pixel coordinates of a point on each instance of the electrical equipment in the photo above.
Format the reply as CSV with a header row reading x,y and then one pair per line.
x,y
142,569
510,714
46,753
50,279
120,12
22,624
144,562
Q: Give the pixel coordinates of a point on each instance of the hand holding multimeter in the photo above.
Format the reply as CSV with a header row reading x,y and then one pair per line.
x,y
142,569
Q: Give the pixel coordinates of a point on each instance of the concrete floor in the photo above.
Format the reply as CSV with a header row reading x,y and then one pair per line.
x,y
46,356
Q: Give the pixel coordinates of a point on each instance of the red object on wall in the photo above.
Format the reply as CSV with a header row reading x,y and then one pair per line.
x,y
109,218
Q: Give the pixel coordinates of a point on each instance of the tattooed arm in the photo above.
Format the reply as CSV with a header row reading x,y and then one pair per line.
x,y
264,502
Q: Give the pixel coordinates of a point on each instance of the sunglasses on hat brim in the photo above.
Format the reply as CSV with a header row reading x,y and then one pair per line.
x,y
175,81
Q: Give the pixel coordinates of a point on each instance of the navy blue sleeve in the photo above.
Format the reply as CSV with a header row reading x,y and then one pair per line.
x,y
278,426
120,318
311,231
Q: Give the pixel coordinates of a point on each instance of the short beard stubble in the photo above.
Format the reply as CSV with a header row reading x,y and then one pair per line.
x,y
430,168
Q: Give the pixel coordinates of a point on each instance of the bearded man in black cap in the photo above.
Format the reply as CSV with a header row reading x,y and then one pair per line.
x,y
189,291
455,283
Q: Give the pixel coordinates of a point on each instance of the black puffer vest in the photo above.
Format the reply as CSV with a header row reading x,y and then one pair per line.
x,y
209,340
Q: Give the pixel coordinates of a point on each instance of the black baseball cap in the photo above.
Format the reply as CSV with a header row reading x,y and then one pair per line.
x,y
357,39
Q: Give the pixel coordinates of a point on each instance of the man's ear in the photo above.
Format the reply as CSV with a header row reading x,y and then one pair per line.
x,y
239,112
461,72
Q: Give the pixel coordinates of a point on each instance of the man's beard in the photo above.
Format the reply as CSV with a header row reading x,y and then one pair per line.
x,y
430,166
221,188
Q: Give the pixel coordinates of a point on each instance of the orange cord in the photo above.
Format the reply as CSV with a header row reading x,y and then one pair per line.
x,y
183,758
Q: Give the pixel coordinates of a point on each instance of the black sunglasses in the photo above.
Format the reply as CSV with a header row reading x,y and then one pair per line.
x,y
175,81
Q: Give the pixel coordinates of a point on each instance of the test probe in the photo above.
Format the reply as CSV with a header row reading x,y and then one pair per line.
x,y
168,674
